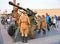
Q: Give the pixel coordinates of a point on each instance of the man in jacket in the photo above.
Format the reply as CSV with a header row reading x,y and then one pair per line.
x,y
47,21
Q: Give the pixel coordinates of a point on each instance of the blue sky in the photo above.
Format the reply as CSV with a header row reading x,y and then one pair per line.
x,y
32,4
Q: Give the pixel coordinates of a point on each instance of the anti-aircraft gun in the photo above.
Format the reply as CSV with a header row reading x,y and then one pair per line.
x,y
31,15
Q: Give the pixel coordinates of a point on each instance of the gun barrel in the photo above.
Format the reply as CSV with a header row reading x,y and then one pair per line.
x,y
16,6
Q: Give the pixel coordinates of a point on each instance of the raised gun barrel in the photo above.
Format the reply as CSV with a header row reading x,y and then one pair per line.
x,y
16,6
29,12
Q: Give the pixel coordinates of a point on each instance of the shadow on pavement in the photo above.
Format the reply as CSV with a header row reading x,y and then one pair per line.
x,y
58,42
48,34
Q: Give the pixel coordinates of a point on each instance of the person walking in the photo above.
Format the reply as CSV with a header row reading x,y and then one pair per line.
x,y
43,27
48,21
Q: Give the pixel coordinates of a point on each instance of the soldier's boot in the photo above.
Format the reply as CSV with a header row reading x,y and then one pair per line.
x,y
39,31
44,32
32,37
25,39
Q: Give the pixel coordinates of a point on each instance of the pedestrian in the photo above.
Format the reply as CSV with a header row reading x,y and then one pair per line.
x,y
54,21
48,21
43,27
38,23
56,17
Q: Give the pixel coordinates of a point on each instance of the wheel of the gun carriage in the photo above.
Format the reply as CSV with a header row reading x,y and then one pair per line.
x,y
2,22
32,32
11,30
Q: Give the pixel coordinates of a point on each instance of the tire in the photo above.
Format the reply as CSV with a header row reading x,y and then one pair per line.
x,y
2,22
32,32
11,31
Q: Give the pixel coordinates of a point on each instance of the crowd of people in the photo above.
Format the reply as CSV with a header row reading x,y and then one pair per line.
x,y
43,22
46,22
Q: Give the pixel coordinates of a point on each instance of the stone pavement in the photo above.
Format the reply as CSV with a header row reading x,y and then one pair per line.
x,y
52,37
6,38
1,39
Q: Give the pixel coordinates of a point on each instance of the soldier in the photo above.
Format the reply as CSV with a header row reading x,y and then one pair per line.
x,y
38,23
43,24
16,15
24,24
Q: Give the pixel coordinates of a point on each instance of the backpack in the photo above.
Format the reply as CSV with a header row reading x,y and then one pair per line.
x,y
50,22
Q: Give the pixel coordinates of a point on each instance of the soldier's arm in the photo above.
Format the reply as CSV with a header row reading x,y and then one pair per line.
x,y
19,22
29,21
